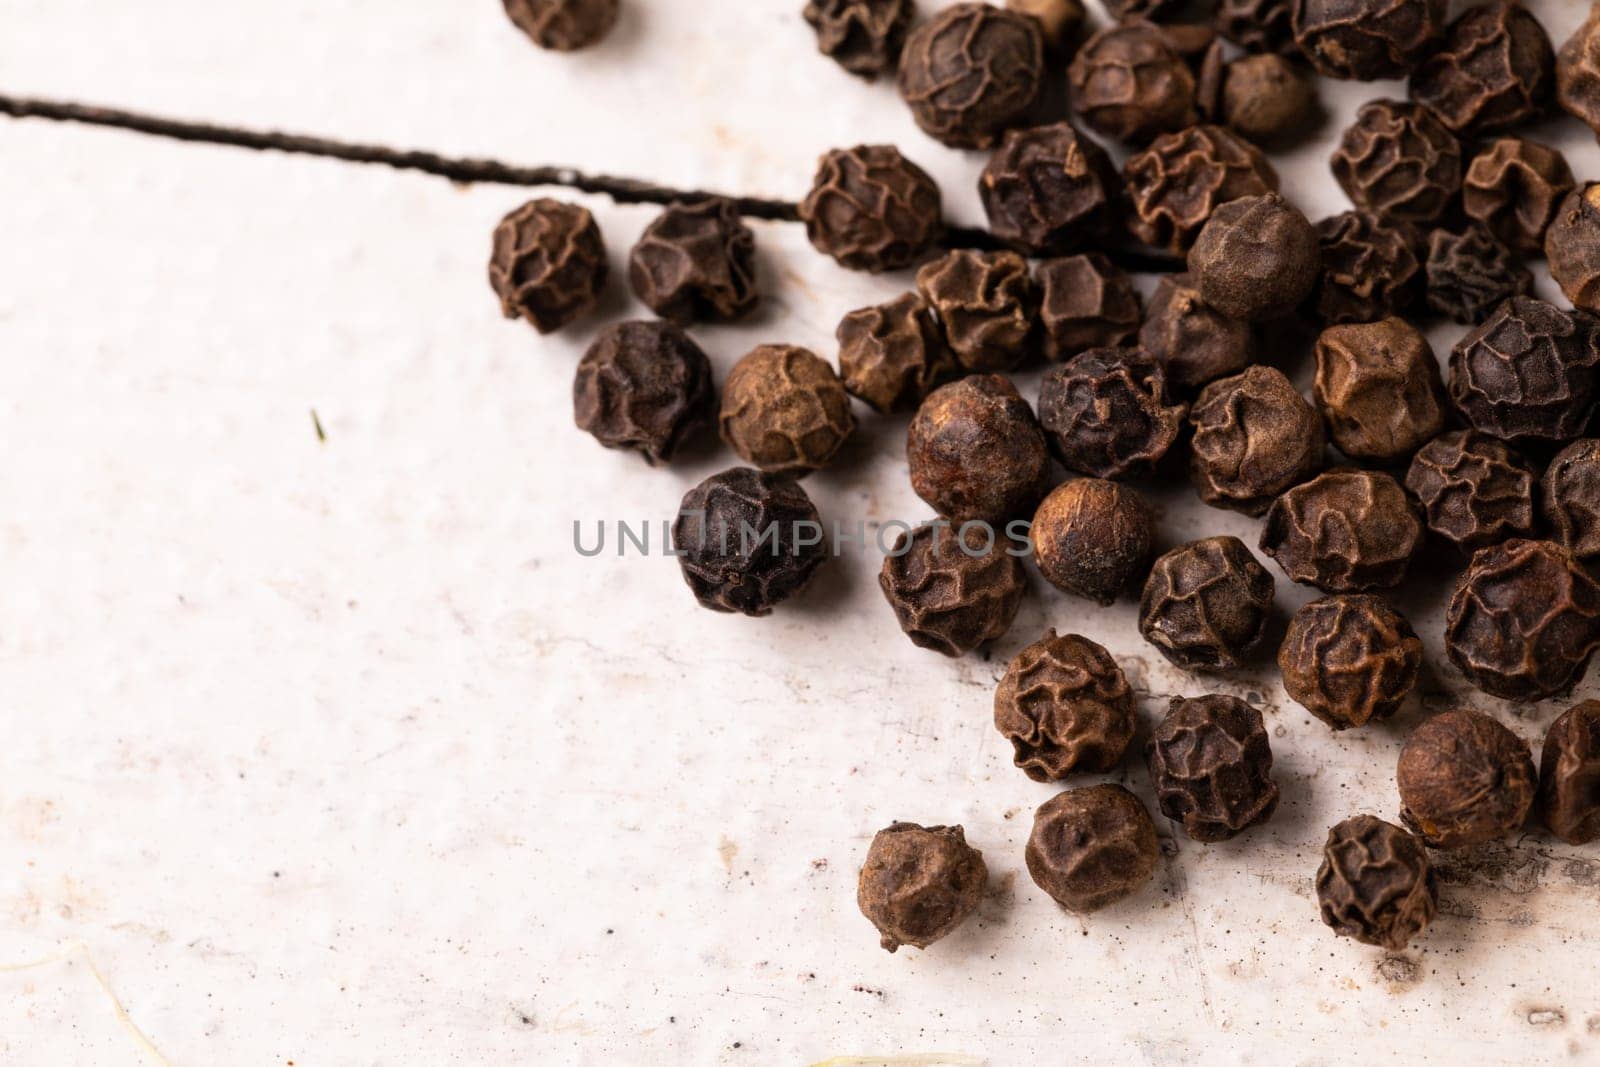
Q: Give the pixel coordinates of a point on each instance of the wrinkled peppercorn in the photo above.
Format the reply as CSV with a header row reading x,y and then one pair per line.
x,y
1267,98
1528,372
1578,72
1256,258
1571,497
1523,620
951,589
1349,659
1092,847
976,451
986,304
1254,437
1059,20
1049,189
1367,39
1370,268
1066,707
563,25
1343,531
1569,775
1572,244
1176,183
919,883
1513,188
1376,884
1464,780
1473,489
1398,161
972,72
1086,301
783,409
1495,70
892,355
1379,389
739,540
1470,273
863,36
1093,538
548,264
1206,604
1106,414
1258,25
1129,82
696,262
872,209
1211,765
644,386
1196,343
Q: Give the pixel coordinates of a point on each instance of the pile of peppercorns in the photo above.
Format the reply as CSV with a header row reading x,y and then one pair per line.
x,y
1447,205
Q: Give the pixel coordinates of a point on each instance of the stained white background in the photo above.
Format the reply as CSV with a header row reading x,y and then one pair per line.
x,y
337,753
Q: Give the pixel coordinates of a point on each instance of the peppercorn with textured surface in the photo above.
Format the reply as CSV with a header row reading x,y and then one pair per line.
x,y
986,305
1059,20
1572,244
919,883
1106,414
1254,437
1378,388
1092,538
1175,184
976,451
1470,273
1527,372
563,25
1267,98
1569,775
892,355
1349,659
862,36
1128,82
1206,604
1376,884
1258,25
1495,70
1193,341
1578,72
696,262
1343,531
644,386
1085,301
1066,708
1464,779
972,72
1571,497
1473,489
872,209
1367,39
548,263
1256,258
1514,187
1092,847
950,588
1049,189
785,410
1399,161
1370,268
1211,765
737,540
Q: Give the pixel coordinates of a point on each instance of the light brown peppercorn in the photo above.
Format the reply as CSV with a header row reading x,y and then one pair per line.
x,y
952,590
644,386
1399,161
1495,70
892,355
1255,436
1376,884
1578,72
1206,604
1464,779
1571,497
1086,301
1343,531
1528,371
976,451
1514,187
696,262
1349,659
1049,189
1267,98
1128,82
986,304
1066,708
1105,413
1367,39
738,540
1193,341
784,410
862,36
871,209
1092,538
1470,273
1175,184
1473,489
1092,847
548,263
1370,268
919,883
972,72
1569,775
1572,244
1378,388
1059,20
563,25
1211,765
1256,258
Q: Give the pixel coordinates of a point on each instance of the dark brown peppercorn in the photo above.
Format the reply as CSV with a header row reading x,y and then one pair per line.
x,y
1572,244
862,36
1379,389
1196,343
1267,98
1211,765
696,262
872,209
1091,847
1523,620
1569,775
1514,187
1258,25
892,355
976,451
986,304
1495,70
950,588
1256,258
783,409
1470,273
1367,39
1106,414
739,540
1129,82
1343,531
1578,72
563,25
1086,301
1059,20
1049,189
1092,538
548,264
1066,708
1398,161
1376,884
1254,437
1474,490
1464,780
1528,372
1370,268
644,386
1349,659
1176,183
972,72
919,883
1571,497
1206,604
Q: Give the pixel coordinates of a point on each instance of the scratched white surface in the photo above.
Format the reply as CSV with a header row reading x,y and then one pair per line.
x,y
337,753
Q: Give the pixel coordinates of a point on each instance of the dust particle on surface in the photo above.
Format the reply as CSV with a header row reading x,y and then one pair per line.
x,y
726,851
1399,972
1546,1017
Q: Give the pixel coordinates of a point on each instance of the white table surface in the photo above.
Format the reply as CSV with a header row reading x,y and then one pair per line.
x,y
337,753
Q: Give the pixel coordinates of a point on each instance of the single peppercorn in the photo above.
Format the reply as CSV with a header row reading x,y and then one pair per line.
x,y
1343,531
1376,884
972,72
1092,538
1106,414
1258,25
1495,70
986,305
696,262
1398,161
644,386
976,451
1523,620
952,589
1378,388
871,209
1176,183
892,355
1473,489
1367,39
919,883
738,538
563,25
784,410
1254,437
1578,72
1128,82
1193,341
1514,187
1370,268
1349,659
1571,497
1211,765
1470,273
1066,708
1464,779
1059,20
1267,98
1092,847
1085,301
862,36
1049,189
1527,372
1256,258
548,263
1572,245
1569,775
1206,604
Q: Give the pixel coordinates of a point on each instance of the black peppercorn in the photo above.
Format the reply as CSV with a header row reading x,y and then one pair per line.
x,y
1349,659
1267,98
952,589
747,540
1211,765
644,386
548,264
972,72
872,209
1572,244
986,304
976,451
1254,437
1092,847
1106,414
1470,273
1176,183
1092,538
1193,341
863,36
563,25
1398,161
1571,497
919,883
1376,884
892,355
1343,531
1464,779
1370,268
1578,72
783,409
1513,187
1129,82
1049,189
1066,708
1569,775
1379,389
1256,258
1528,372
1258,25
1206,604
696,262
1367,39
1495,70
1086,301
1473,489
